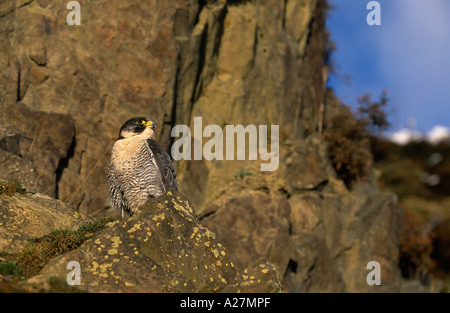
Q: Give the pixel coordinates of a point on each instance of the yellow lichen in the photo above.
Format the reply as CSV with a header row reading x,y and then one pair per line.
x,y
194,232
94,266
209,234
116,241
161,216
112,251
180,208
135,227
216,252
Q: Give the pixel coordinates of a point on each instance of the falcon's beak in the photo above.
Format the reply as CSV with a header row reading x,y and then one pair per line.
x,y
152,125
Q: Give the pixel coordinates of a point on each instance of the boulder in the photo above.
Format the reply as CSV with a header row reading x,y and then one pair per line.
x,y
25,215
15,167
162,248
44,141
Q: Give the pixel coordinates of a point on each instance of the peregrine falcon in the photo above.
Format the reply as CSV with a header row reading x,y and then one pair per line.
x,y
139,167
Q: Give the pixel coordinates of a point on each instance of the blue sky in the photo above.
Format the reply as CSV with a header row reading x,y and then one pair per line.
x,y
408,55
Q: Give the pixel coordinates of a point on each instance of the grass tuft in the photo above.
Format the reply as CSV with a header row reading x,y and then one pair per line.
x,y
10,187
10,268
40,250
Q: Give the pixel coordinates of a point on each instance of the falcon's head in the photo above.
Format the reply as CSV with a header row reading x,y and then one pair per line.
x,y
137,126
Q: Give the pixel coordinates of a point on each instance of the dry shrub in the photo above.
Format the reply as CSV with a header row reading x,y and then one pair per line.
x,y
415,247
10,187
348,147
349,135
372,115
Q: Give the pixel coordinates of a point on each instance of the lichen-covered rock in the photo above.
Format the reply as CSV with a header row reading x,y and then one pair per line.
x,y
261,276
25,215
162,248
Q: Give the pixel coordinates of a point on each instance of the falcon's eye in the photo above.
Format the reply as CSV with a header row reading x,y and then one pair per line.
x,y
140,122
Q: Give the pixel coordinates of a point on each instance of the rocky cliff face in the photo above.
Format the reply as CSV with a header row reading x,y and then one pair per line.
x,y
66,90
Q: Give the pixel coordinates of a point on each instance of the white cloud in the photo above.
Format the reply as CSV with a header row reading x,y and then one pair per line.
x,y
403,136
435,135
438,133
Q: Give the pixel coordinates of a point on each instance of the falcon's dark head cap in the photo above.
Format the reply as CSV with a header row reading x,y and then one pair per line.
x,y
137,126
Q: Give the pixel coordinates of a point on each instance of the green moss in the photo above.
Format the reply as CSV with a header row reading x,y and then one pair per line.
x,y
10,268
242,174
95,226
10,187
